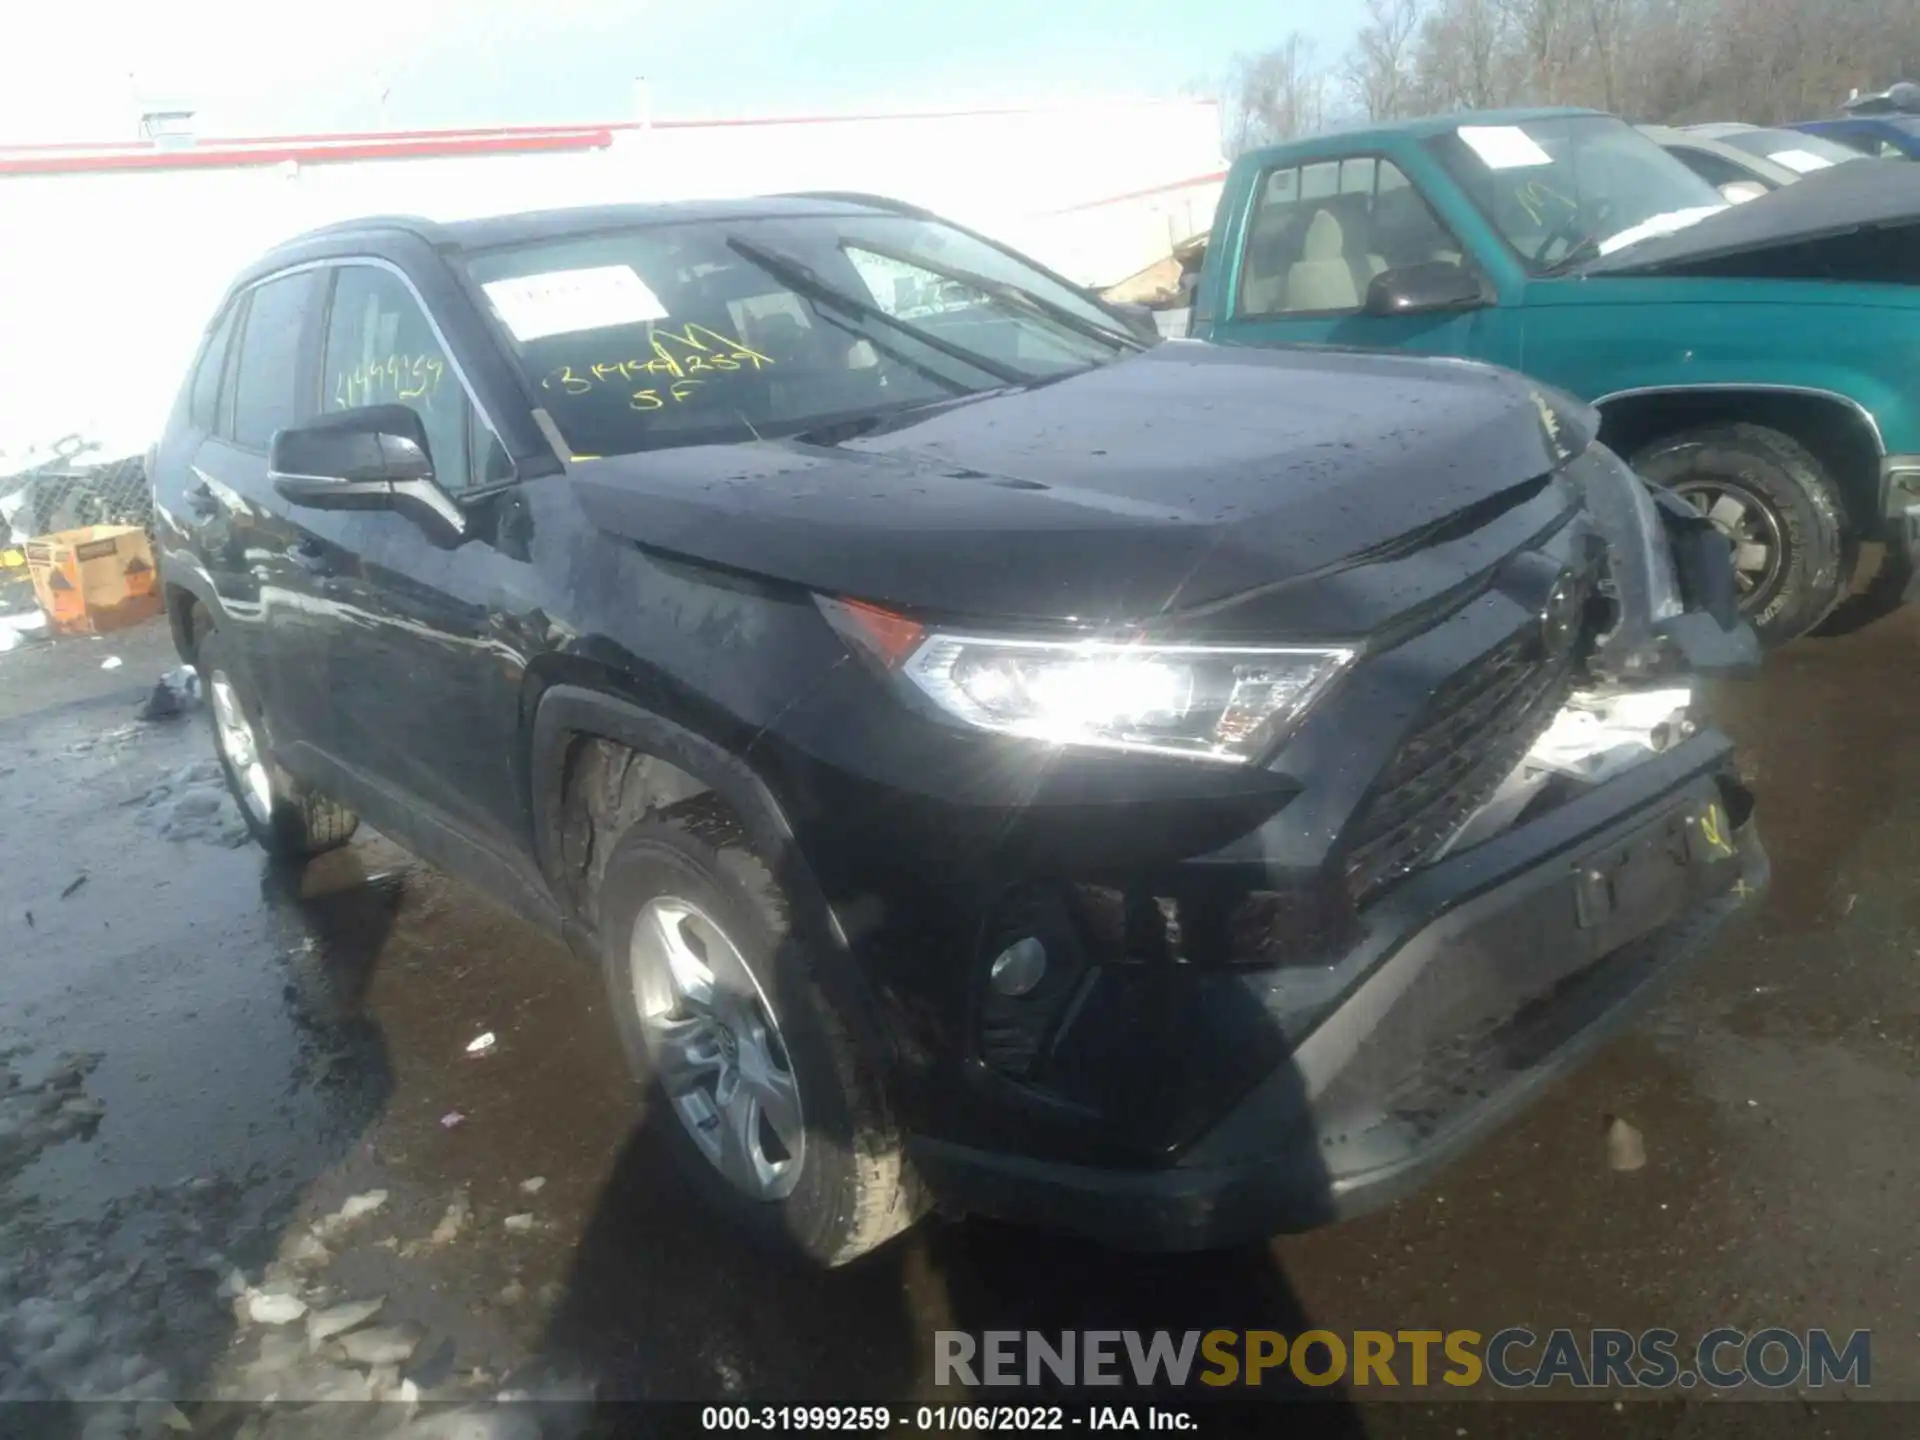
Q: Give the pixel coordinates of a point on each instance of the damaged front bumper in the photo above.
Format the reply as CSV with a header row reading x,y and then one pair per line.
x,y
1475,984
1321,1063
1671,573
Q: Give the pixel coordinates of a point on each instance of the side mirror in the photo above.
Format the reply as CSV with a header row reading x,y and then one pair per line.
x,y
1433,285
374,457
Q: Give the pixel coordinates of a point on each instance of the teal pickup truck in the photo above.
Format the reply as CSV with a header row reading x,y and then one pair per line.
x,y
1762,359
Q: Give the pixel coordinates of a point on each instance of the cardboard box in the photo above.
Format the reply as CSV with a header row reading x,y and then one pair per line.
x,y
95,579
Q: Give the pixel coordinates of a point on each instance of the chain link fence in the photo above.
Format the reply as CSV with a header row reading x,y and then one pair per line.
x,y
73,488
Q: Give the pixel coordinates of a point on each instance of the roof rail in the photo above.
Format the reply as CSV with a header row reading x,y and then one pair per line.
x,y
412,224
861,197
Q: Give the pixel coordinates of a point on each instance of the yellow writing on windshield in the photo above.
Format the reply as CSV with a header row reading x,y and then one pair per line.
x,y
683,355
395,377
654,398
1536,198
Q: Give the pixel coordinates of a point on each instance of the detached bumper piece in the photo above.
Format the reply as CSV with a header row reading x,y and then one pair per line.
x,y
1710,638
1484,977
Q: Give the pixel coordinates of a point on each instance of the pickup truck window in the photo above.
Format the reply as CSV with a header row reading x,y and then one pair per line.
x,y
1321,232
1571,187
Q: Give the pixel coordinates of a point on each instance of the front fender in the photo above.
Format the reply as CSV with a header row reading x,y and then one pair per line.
x,y
568,712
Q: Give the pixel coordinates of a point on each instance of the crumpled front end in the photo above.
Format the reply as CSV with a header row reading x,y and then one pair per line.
x,y
1511,823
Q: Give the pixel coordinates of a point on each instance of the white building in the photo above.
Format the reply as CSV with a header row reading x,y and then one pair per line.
x,y
115,253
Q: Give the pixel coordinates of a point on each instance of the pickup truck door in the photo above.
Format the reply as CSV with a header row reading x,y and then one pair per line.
x,y
1318,236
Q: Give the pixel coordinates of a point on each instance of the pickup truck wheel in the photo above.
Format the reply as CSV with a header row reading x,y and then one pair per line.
x,y
1777,506
775,1115
290,821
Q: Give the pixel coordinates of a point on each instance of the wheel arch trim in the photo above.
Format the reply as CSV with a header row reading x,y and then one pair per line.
x,y
184,578
568,712
1812,392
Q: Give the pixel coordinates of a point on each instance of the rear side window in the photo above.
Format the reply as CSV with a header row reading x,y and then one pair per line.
x,y
203,407
266,392
381,350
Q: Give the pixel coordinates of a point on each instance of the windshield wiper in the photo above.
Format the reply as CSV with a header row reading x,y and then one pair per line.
x,y
1019,297
900,357
800,277
1585,249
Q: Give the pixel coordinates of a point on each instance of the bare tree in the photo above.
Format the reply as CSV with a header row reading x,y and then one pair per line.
x,y
1462,56
1765,61
1277,95
1541,37
1607,21
1379,67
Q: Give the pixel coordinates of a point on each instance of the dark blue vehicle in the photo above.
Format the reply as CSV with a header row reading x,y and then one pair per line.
x,y
1891,137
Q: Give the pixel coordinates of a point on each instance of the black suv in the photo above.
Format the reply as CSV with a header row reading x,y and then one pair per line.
x,y
1167,792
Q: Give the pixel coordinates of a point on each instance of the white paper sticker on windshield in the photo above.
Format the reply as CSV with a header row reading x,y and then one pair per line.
x,y
1504,147
1804,162
561,302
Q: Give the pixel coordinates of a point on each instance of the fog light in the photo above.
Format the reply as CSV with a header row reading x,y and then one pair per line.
x,y
1019,967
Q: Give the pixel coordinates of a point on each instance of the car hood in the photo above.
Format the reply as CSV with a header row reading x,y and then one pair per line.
x,y
1177,477
1857,221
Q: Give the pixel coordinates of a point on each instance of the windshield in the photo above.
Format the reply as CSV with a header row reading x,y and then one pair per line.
x,y
1570,187
1791,148
707,332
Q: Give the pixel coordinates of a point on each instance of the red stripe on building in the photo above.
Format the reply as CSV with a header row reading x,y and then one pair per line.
x,y
83,157
337,137
207,157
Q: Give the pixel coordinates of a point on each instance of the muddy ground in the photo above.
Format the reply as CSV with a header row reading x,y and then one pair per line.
x,y
233,1101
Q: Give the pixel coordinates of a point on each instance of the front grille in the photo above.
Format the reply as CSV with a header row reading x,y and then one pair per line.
x,y
1477,727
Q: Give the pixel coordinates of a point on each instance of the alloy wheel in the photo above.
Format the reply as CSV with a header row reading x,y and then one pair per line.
x,y
240,746
717,1047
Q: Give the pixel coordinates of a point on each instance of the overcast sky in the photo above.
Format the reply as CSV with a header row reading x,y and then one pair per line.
x,y
73,70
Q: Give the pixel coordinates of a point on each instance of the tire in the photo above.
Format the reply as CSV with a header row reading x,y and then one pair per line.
x,y
1884,594
1767,491
290,821
845,1191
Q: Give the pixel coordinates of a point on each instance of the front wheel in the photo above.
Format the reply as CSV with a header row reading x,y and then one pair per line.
x,y
778,1116
1779,510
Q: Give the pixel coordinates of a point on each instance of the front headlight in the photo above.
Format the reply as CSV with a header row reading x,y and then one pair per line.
x,y
1206,702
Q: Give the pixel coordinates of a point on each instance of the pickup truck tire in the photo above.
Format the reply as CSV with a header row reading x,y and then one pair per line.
x,y
775,1114
1777,503
290,821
